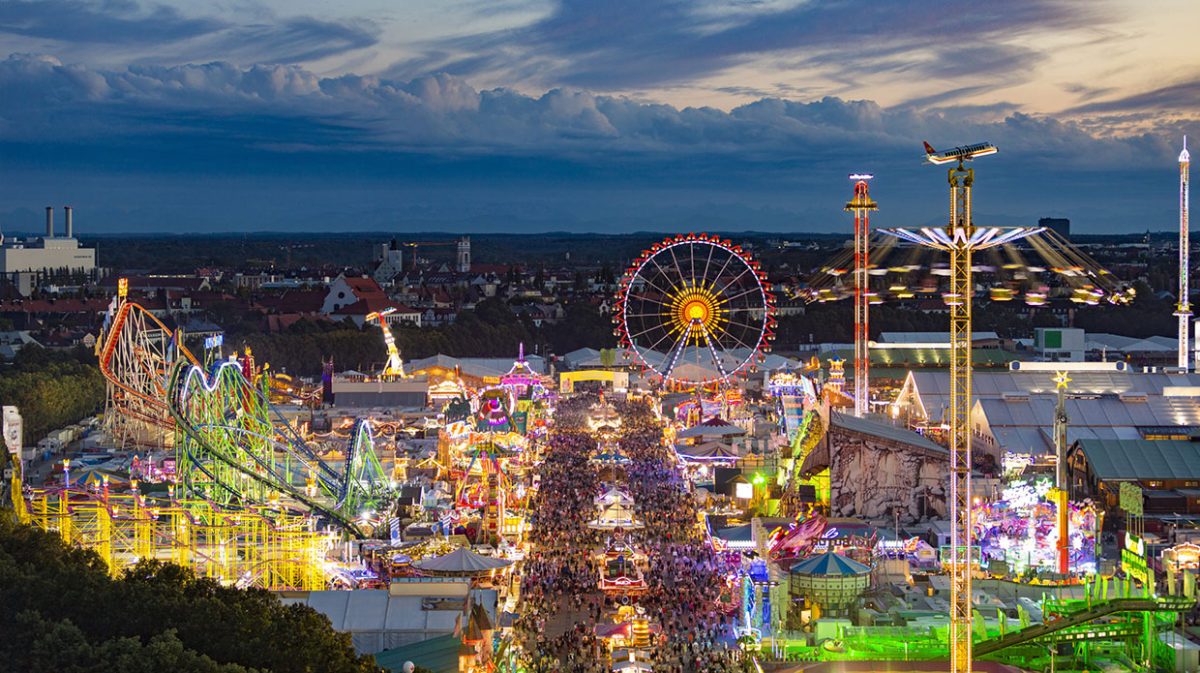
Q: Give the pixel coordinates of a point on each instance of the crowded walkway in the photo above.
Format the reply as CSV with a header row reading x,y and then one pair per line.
x,y
686,600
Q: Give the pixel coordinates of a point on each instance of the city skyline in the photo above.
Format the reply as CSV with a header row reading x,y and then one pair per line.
x,y
584,117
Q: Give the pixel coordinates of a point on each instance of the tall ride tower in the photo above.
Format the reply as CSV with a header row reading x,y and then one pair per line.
x,y
961,239
1062,489
1184,308
861,205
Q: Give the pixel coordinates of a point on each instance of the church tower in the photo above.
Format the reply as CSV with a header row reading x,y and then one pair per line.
x,y
464,254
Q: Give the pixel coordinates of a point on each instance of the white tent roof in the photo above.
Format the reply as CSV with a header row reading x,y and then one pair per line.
x,y
713,427
462,560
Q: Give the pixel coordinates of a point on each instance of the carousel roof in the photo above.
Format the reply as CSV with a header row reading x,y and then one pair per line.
x,y
520,371
713,427
710,449
829,564
462,560
614,494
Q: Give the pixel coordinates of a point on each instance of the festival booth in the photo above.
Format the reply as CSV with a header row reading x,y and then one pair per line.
x,y
829,582
708,453
446,391
630,629
621,570
613,495
615,515
609,453
713,428
462,562
1182,560
603,418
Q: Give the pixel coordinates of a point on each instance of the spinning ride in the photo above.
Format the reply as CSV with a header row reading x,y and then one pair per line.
x,y
695,309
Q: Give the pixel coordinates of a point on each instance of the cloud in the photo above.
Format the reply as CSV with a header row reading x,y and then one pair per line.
x,y
444,114
295,40
623,44
117,22
1177,97
562,156
122,24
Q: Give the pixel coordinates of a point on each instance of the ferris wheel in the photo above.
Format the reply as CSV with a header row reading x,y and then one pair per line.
x,y
695,309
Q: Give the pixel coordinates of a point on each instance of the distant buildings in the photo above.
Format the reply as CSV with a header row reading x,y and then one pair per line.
x,y
48,253
1059,225
389,260
356,298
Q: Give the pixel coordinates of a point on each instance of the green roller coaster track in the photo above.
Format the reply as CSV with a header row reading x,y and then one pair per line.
x,y
1075,625
229,451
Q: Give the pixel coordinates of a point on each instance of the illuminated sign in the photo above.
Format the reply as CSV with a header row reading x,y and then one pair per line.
x,y
1133,557
744,490
214,341
122,287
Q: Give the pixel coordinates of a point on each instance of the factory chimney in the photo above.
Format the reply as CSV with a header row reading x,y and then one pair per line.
x,y
49,221
70,224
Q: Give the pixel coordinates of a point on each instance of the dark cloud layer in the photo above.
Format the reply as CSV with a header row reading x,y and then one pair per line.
x,y
620,44
125,23
108,23
458,152
443,113
1178,97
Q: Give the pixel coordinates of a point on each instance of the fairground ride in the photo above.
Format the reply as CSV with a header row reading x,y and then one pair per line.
x,y
234,449
230,452
861,205
249,547
136,352
395,366
1079,277
695,309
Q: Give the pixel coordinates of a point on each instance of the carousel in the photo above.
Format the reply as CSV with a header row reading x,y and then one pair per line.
x,y
621,569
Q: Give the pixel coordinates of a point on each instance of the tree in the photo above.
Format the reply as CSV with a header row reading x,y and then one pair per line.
x,y
52,388
60,611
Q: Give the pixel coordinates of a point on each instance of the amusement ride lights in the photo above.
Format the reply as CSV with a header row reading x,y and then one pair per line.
x,y
395,366
1184,307
1062,487
704,301
961,238
861,205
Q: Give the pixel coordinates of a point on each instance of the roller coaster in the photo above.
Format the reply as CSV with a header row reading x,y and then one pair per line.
x,y
234,449
244,547
252,503
135,352
1076,624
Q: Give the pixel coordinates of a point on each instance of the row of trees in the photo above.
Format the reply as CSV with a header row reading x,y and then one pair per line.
x,y
52,388
61,612
490,330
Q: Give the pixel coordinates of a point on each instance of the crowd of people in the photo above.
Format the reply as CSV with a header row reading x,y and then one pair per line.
x,y
561,604
686,585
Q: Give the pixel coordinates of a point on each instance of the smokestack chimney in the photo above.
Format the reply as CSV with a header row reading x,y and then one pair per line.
x,y
49,221
70,225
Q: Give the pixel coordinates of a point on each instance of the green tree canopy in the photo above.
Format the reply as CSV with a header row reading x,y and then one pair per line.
x,y
60,611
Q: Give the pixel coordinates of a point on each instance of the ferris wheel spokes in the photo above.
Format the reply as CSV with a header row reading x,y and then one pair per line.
x,y
676,351
705,303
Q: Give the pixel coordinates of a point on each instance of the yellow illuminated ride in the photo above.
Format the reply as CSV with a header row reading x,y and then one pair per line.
x,y
395,366
695,309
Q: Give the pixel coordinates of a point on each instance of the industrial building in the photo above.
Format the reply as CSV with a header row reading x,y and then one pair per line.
x,y
49,252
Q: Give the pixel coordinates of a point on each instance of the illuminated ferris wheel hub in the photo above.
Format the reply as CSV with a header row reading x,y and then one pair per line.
x,y
695,309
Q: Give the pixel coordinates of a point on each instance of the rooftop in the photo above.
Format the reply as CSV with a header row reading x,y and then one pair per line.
x,y
1142,459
